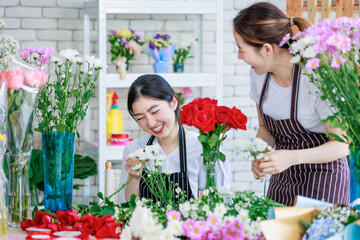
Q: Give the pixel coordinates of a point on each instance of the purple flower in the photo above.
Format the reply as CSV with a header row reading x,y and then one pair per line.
x,y
25,53
312,64
120,37
132,31
166,37
284,40
137,37
337,61
173,215
152,46
158,36
113,32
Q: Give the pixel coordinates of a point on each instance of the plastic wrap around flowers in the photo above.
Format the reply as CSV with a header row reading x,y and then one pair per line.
x,y
162,51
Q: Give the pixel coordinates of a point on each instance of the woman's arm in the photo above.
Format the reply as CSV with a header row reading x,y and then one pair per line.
x,y
282,159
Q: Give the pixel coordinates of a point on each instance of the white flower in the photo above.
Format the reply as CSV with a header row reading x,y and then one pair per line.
x,y
2,24
126,234
205,193
243,216
185,208
308,52
205,208
247,231
178,190
255,227
194,215
175,227
295,59
69,54
220,210
260,156
78,60
136,167
55,59
166,235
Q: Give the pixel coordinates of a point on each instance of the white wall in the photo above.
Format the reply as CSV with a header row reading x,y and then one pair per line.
x,y
58,23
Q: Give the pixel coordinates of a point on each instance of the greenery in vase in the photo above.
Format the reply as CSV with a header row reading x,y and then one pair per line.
x,y
64,101
328,52
184,45
125,43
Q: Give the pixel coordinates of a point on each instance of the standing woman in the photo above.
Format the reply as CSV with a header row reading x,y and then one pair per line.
x,y
155,107
306,162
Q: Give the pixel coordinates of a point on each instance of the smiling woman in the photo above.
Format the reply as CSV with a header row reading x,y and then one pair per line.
x,y
155,107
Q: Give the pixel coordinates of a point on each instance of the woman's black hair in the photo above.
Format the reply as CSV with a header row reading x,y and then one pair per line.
x,y
154,86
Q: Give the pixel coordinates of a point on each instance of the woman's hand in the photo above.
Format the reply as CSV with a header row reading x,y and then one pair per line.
x,y
277,161
258,174
134,167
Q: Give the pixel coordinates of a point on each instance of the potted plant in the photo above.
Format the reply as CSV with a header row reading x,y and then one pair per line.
x,y
184,43
161,49
125,45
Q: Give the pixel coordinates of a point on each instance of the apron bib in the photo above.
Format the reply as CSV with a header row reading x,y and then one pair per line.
x,y
326,181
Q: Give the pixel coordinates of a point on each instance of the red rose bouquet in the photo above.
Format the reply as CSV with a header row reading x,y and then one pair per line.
x,y
213,122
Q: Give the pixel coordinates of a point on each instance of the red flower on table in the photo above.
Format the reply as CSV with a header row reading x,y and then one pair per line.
x,y
88,223
67,218
27,223
42,219
108,232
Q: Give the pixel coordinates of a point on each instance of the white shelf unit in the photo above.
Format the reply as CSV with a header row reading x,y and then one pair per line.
x,y
106,81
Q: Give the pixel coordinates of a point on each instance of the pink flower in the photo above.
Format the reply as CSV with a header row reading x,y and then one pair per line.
x,y
284,40
173,215
212,220
186,92
14,79
312,64
35,78
337,61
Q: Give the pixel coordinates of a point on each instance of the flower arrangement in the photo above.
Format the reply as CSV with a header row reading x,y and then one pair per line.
x,y
8,48
23,84
184,43
329,52
125,43
100,226
64,102
213,122
37,56
184,93
160,49
159,184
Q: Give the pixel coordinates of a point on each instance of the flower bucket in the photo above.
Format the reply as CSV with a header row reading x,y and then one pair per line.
x,y
58,157
161,67
354,173
178,67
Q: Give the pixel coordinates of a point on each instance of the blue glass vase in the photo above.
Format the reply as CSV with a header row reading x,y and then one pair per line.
x,y
161,67
354,173
58,157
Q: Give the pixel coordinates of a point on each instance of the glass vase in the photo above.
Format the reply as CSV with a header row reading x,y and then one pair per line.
x,y
161,67
178,67
3,180
19,191
354,173
210,174
58,157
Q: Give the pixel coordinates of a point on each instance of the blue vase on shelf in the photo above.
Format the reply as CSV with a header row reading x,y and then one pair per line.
x,y
354,173
161,67
58,158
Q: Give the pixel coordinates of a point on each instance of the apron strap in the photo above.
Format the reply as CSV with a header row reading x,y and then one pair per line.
x,y
264,90
182,148
295,91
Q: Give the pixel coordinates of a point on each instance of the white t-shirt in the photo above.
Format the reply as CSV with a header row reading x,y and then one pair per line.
x,y
277,101
171,164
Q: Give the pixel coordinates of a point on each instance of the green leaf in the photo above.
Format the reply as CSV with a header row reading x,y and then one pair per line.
x,y
222,156
213,140
336,137
203,138
100,195
107,211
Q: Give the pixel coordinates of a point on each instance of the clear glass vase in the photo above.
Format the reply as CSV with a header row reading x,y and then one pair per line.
x,y
210,174
354,173
19,191
58,157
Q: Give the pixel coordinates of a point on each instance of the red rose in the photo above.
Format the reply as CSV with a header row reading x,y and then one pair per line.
x,y
67,218
54,227
202,103
27,223
187,115
205,120
42,219
88,223
108,232
222,114
237,119
104,221
84,234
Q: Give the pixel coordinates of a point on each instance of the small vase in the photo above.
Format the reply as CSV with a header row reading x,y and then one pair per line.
x,y
210,174
19,192
58,157
354,173
178,67
161,67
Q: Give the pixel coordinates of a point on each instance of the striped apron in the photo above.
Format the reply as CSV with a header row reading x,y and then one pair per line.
x,y
326,181
180,178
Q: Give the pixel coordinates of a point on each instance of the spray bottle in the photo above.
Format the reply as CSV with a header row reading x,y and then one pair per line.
x,y
114,119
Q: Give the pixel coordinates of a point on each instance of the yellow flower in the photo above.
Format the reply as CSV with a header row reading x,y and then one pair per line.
x,y
2,138
126,33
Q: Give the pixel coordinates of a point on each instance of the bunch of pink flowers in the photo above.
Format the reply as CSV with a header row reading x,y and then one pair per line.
x,y
37,56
